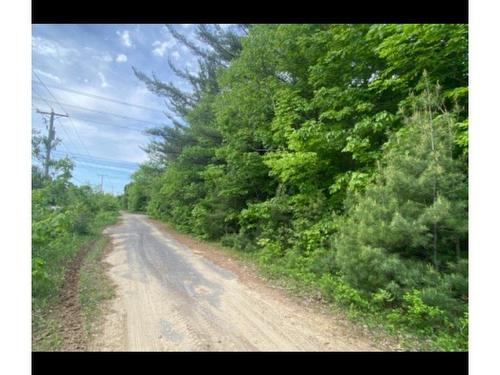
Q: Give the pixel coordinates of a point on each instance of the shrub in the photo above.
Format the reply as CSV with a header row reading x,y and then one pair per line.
x,y
365,267
39,276
337,290
420,315
270,252
382,298
238,242
80,217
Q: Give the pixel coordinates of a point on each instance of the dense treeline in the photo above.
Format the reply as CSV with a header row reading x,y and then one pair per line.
x,y
65,217
337,154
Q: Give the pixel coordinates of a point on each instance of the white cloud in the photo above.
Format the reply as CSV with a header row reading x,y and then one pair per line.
x,y
47,47
176,55
161,47
121,58
48,75
104,83
125,38
106,58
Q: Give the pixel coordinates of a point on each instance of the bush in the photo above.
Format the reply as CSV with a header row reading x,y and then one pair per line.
x,y
441,298
420,315
80,217
238,242
335,289
270,252
382,298
59,228
106,202
39,276
366,268
209,223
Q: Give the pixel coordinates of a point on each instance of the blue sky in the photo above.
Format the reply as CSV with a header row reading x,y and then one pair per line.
x,y
98,60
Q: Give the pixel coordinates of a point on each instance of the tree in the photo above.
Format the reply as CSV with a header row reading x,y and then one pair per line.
x,y
324,149
59,170
417,207
223,46
138,193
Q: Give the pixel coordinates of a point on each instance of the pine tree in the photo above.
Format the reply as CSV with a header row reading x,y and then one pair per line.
x,y
417,208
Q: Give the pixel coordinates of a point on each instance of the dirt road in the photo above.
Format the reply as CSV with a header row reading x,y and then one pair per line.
x,y
170,297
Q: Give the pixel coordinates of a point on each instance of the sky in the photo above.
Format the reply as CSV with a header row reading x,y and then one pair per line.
x,y
103,137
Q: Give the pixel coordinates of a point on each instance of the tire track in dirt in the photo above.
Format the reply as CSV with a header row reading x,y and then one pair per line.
x,y
170,297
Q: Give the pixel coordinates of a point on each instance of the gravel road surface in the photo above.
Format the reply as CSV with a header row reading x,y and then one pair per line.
x,y
171,297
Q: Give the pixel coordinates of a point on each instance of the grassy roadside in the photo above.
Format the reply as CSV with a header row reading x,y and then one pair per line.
x,y
79,278
94,286
394,324
47,324
335,297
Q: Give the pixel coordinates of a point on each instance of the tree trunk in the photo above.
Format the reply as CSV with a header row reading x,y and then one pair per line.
x,y
434,256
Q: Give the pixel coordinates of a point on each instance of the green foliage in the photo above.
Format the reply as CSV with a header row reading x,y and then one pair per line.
x,y
417,313
415,210
79,217
342,293
334,154
64,217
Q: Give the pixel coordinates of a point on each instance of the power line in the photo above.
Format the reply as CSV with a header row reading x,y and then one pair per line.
x,y
75,128
64,146
126,173
65,132
56,101
43,84
64,129
76,132
89,158
104,98
106,113
106,123
99,158
94,158
95,166
99,165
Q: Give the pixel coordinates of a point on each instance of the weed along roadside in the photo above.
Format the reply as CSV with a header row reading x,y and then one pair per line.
x,y
94,287
72,318
67,275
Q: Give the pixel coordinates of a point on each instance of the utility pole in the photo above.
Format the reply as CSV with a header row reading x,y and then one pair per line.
x,y
51,137
102,180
